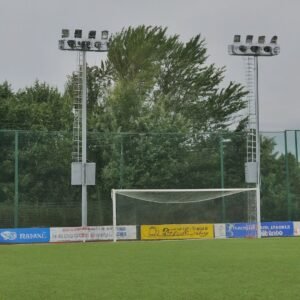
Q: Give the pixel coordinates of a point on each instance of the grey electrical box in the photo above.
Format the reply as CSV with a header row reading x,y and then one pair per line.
x,y
76,173
90,173
251,172
83,173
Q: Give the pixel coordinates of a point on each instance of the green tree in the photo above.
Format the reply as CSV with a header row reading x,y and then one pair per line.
x,y
154,83
44,155
149,73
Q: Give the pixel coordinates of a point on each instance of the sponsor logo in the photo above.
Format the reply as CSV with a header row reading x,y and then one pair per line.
x,y
32,236
9,235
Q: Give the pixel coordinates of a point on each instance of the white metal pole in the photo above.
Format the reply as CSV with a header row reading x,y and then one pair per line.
x,y
83,120
258,214
113,194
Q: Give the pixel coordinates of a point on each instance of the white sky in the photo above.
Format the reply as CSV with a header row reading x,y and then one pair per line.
x,y
30,30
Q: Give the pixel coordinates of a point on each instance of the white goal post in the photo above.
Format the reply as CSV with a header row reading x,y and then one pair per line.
x,y
178,196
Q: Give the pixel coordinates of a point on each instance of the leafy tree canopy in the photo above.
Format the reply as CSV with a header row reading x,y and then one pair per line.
x,y
155,82
38,107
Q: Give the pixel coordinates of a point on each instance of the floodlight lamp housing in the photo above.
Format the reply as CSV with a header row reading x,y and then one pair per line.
x,y
250,48
274,39
104,35
92,34
249,39
78,34
97,45
85,45
71,44
261,39
61,44
237,38
276,50
84,41
65,33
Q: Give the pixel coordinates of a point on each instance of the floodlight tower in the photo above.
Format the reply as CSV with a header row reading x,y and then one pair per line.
x,y
83,173
254,49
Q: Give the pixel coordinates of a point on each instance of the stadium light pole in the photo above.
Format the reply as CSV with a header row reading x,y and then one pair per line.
x,y
255,49
84,44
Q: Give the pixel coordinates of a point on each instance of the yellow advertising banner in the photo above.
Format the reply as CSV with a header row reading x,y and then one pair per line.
x,y
177,231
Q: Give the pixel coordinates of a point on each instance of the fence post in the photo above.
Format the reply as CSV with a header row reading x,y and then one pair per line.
x,y
222,178
16,202
121,162
287,177
296,146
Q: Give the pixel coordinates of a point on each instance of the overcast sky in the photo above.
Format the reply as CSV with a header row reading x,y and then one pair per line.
x,y
30,30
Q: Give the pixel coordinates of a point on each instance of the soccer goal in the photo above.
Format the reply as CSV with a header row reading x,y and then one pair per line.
x,y
184,206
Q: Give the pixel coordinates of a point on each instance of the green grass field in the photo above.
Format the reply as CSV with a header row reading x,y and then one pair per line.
x,y
207,269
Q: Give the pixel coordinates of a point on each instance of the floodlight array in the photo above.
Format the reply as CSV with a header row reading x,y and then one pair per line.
x,y
81,42
251,48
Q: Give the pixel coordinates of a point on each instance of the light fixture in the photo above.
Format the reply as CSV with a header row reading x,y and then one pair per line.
x,y
255,49
84,42
274,39
85,45
65,33
261,39
276,50
78,34
92,34
104,35
249,39
243,48
97,45
71,43
252,48
237,39
267,49
61,44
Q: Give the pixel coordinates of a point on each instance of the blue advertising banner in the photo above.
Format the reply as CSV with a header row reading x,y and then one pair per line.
x,y
240,230
270,229
24,235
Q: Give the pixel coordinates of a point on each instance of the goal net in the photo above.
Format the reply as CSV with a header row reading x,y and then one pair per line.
x,y
153,207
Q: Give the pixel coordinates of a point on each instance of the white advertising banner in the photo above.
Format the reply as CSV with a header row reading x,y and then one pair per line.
x,y
220,231
296,228
91,233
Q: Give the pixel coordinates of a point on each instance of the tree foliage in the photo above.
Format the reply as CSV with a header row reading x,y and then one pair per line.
x,y
153,78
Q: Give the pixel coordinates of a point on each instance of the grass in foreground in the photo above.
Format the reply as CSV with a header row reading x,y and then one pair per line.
x,y
187,270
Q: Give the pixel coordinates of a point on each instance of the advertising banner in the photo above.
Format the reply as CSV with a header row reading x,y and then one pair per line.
x,y
220,231
271,229
24,235
296,228
91,233
177,231
240,230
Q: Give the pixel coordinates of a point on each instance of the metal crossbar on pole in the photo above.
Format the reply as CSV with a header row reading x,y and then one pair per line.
x,y
16,202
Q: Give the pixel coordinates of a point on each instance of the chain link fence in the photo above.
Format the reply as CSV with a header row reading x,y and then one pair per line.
x,y
35,171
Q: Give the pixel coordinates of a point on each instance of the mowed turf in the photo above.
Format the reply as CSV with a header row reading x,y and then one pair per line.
x,y
187,270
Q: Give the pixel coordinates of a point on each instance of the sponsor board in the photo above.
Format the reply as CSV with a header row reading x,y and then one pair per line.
x,y
220,231
177,231
24,235
271,229
296,228
240,230
268,229
91,233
